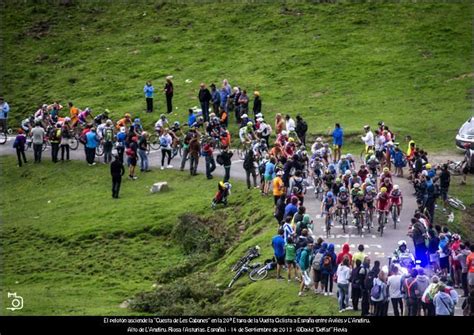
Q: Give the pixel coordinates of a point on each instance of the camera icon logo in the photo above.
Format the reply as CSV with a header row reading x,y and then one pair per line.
x,y
17,301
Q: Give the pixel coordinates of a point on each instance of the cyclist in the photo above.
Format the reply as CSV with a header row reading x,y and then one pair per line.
x,y
82,117
74,114
344,165
385,174
351,161
53,110
282,138
336,187
343,200
369,197
387,183
354,190
345,178
101,118
176,134
328,180
326,153
358,207
290,147
317,145
354,179
396,199
27,125
373,164
362,173
137,126
246,135
327,206
161,124
42,113
383,203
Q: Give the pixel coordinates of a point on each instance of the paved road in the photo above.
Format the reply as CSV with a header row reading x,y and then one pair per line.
x,y
378,248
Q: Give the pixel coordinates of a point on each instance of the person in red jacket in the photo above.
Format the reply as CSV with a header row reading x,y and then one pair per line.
x,y
344,252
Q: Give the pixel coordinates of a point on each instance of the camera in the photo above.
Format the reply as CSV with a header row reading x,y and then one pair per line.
x,y
16,303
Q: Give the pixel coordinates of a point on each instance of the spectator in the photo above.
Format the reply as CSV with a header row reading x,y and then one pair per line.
x,y
65,138
292,208
207,152
317,265
120,143
343,277
422,281
215,100
132,157
117,171
4,110
91,145
226,157
169,91
165,144
410,290
55,139
257,104
394,291
443,302
304,263
278,187
359,254
224,96
470,267
279,124
142,152
19,145
343,253
290,126
204,97
379,294
301,129
365,288
467,164
290,257
417,233
328,269
249,167
278,244
194,151
108,141
356,285
148,89
429,294
244,102
338,138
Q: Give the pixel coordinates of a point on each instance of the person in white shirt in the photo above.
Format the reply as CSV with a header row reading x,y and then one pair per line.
x,y
290,124
368,138
165,144
343,275
394,291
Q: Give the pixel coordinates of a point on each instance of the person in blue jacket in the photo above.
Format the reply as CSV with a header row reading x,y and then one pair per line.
x,y
338,139
328,269
148,90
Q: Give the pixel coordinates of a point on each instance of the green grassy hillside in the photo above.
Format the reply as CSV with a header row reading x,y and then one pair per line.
x,y
407,64
70,249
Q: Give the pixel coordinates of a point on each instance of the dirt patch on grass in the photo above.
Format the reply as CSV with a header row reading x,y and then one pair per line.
x,y
39,30
463,76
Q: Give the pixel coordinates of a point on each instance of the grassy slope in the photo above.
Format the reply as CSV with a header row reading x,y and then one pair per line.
x,y
85,253
355,64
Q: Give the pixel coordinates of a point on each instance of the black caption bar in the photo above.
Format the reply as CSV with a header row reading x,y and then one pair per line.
x,y
233,325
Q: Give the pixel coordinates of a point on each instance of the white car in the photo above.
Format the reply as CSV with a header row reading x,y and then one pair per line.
x,y
466,134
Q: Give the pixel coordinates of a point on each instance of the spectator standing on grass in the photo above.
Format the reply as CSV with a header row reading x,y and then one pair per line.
x,y
120,143
4,110
278,244
117,171
207,152
290,257
227,162
338,139
194,151
109,141
204,97
148,89
55,139
91,145
132,159
169,91
379,294
329,269
363,276
279,124
343,277
461,257
215,99
65,138
301,129
249,167
19,145
165,145
257,104
305,264
142,152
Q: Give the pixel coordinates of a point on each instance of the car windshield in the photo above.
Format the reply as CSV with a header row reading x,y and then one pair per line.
x,y
468,127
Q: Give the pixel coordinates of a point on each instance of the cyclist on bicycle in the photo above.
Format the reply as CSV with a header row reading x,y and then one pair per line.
x,y
383,203
344,165
328,180
328,205
290,147
318,145
161,124
354,190
385,174
358,207
396,199
42,113
73,113
345,178
282,138
101,118
336,187
343,199
27,124
369,197
326,153
354,179
351,161
82,117
137,126
387,183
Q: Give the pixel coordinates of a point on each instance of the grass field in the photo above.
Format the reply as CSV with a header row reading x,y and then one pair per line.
x,y
70,249
407,64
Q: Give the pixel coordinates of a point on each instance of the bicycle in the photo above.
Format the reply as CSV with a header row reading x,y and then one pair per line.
x,y
369,218
382,221
3,138
242,149
344,220
251,254
455,168
154,141
261,273
246,267
394,210
456,203
318,189
359,221
328,223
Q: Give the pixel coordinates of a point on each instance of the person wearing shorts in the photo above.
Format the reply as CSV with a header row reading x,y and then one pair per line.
x,y
290,257
278,244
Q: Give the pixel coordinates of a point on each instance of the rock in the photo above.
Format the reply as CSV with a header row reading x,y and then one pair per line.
x,y
159,187
125,304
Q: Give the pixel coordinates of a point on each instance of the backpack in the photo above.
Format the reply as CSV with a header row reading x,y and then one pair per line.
x,y
317,260
376,292
130,152
298,254
163,142
108,134
299,186
300,226
304,126
83,139
220,159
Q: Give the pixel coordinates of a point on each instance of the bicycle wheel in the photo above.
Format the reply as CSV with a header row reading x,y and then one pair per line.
x,y
154,142
99,150
237,276
456,203
381,223
73,143
45,145
238,265
259,273
3,138
394,217
328,226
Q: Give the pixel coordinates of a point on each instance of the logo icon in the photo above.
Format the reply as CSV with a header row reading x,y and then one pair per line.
x,y
17,301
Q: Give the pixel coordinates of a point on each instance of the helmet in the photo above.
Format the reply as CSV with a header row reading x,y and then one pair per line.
x,y
372,157
291,139
360,193
326,171
385,169
402,242
283,132
326,145
44,106
127,115
343,157
369,188
347,173
354,173
244,116
249,124
319,139
329,194
368,181
338,180
331,167
176,124
58,124
456,237
370,152
366,126
349,156
137,120
162,116
428,166
356,185
383,189
396,187
67,119
87,110
228,185
343,189
259,115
